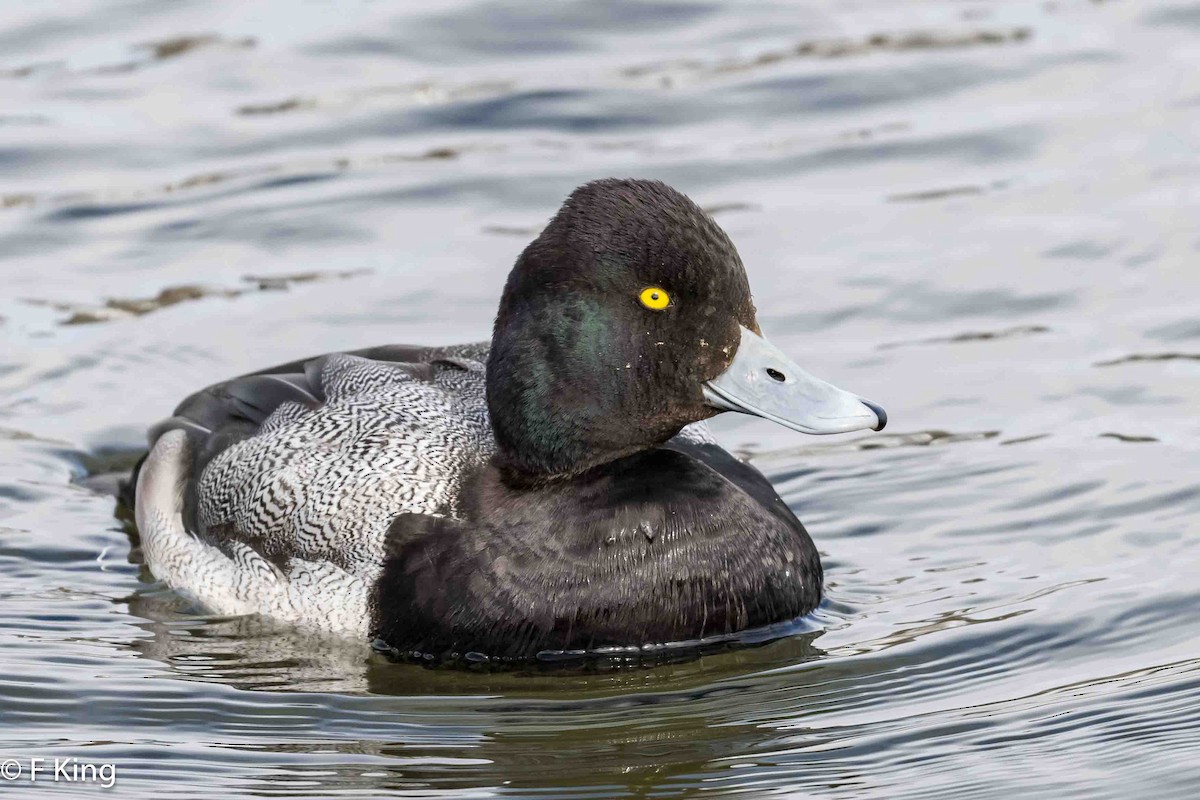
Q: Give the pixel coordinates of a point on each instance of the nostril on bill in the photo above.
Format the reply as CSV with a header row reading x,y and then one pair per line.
x,y
776,375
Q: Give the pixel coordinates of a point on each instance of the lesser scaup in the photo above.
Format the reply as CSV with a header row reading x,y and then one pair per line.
x,y
552,490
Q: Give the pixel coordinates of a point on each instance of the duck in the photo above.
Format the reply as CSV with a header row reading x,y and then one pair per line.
x,y
553,490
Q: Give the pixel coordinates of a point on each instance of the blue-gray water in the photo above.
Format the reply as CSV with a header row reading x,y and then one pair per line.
x,y
982,215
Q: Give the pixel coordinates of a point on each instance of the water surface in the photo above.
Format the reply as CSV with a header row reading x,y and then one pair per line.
x,y
982,215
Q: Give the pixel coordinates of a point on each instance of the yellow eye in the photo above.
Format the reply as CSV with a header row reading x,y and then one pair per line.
x,y
654,298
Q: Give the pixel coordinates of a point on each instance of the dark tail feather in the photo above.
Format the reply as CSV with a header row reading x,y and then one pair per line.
x,y
127,489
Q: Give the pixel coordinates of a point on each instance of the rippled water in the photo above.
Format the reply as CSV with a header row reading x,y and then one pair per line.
x,y
983,215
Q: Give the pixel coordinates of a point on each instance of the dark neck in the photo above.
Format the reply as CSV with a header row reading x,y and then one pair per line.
x,y
553,426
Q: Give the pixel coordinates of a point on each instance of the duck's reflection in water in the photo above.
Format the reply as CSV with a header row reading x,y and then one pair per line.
x,y
370,724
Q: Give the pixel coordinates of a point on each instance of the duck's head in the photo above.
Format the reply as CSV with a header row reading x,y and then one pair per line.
x,y
628,318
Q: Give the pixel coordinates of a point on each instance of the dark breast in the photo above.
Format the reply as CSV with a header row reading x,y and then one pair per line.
x,y
674,544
